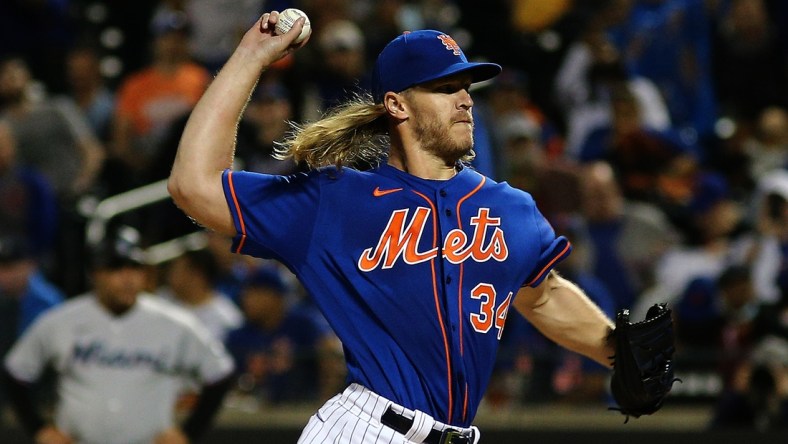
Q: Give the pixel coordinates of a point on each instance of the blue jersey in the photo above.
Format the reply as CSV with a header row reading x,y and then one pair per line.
x,y
415,276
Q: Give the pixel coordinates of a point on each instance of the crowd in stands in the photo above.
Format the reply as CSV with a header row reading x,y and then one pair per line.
x,y
653,133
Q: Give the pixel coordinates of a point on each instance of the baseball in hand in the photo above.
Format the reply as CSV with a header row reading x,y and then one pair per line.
x,y
286,20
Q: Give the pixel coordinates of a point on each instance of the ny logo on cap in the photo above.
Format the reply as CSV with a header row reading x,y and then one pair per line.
x,y
450,44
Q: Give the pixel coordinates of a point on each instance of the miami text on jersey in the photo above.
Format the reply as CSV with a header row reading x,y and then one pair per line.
x,y
98,354
401,239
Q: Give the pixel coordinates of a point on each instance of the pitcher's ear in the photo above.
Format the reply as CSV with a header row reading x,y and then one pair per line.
x,y
395,105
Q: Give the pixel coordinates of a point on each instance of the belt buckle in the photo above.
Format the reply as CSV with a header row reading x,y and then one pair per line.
x,y
454,437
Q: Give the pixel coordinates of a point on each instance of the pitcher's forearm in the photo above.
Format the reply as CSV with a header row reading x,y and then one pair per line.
x,y
581,325
208,141
568,317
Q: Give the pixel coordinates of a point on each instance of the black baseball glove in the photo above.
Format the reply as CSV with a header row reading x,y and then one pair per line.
x,y
643,363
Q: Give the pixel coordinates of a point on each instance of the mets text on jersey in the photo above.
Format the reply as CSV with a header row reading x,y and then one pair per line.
x,y
401,239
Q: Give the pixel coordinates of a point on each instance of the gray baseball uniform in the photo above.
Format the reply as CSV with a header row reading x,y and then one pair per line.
x,y
118,376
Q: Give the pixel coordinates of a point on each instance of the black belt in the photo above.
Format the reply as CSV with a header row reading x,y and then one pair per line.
x,y
402,424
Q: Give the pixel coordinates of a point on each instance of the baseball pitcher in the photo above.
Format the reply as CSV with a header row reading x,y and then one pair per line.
x,y
416,262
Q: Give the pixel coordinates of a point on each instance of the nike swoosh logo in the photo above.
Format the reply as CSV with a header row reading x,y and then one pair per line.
x,y
377,192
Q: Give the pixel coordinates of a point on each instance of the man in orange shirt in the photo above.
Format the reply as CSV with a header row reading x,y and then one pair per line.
x,y
150,100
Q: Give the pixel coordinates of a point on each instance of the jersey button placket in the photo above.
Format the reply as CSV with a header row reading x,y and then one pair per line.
x,y
453,316
447,211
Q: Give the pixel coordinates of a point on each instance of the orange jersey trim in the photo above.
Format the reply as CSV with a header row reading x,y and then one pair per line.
x,y
459,290
237,211
462,264
465,404
550,264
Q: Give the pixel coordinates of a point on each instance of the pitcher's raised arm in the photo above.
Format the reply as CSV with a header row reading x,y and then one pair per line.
x,y
207,145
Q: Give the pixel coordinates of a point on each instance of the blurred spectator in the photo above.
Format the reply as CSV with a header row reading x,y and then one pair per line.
x,y
40,30
522,156
746,152
507,98
527,146
55,138
739,310
716,324
52,135
770,264
382,24
278,350
265,122
340,67
759,398
626,237
749,60
25,293
669,42
23,283
767,148
87,87
713,246
772,319
642,157
151,99
216,26
28,205
442,15
591,72
190,283
320,11
713,213
698,316
524,163
120,356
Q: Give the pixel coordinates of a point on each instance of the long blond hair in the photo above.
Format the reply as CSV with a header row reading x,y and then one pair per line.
x,y
352,134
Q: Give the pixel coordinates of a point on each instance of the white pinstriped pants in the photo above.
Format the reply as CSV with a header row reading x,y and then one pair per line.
x,y
353,417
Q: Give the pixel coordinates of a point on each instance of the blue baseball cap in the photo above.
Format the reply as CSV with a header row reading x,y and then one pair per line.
x,y
421,56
